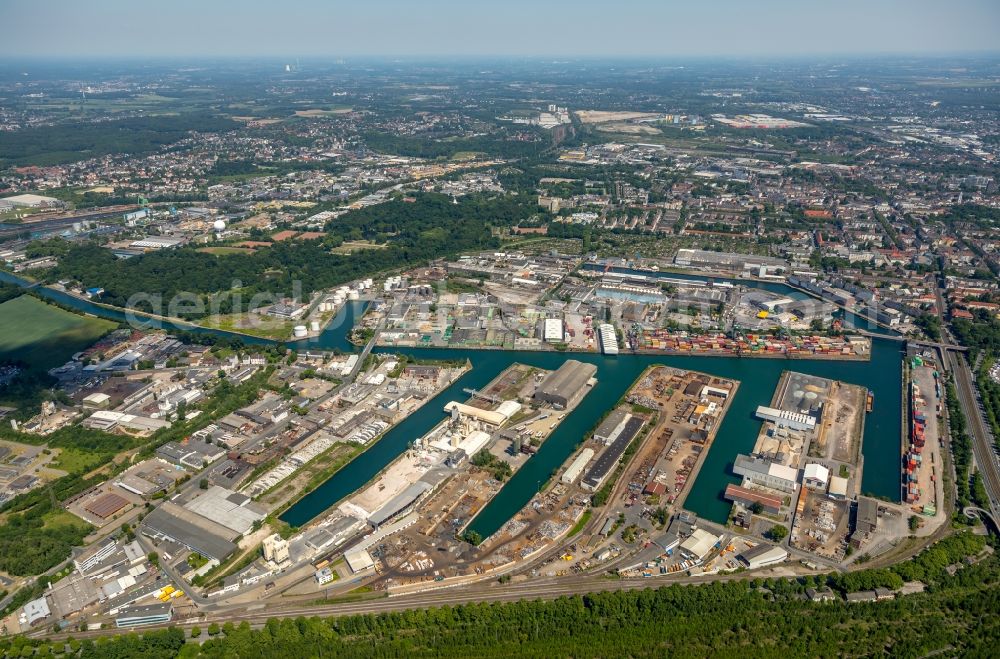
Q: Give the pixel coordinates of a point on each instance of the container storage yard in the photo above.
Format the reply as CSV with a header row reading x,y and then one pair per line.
x,y
922,452
751,345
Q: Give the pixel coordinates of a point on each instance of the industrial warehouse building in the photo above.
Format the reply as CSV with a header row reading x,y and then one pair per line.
x,y
575,468
232,510
745,497
153,614
761,556
816,476
612,426
209,524
730,262
496,418
553,330
837,488
400,503
608,338
867,518
607,461
106,505
155,242
765,472
565,384
177,524
28,201
359,560
786,419
698,544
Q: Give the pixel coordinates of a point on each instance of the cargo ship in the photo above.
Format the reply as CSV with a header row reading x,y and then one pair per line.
x,y
869,401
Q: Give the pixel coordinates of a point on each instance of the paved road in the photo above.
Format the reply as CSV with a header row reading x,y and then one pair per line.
x,y
368,348
982,439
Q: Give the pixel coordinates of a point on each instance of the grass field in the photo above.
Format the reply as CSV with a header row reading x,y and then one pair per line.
x,y
75,461
350,246
44,336
61,517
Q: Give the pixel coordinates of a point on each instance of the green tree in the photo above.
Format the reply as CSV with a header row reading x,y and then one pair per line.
x,y
777,533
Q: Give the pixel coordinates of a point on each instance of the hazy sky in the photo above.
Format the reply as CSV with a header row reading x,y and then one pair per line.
x,y
143,28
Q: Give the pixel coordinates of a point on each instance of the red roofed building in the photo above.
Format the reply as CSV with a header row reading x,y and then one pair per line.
x,y
992,307
742,495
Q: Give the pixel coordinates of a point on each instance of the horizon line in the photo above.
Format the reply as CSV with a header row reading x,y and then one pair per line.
x,y
130,57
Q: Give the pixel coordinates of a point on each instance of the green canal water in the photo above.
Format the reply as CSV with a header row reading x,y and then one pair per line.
x,y
333,337
758,378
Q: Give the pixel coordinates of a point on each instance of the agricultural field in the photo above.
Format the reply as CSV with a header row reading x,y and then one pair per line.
x,y
44,336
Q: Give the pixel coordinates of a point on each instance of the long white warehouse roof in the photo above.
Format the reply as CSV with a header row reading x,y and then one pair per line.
x,y
575,468
496,418
772,414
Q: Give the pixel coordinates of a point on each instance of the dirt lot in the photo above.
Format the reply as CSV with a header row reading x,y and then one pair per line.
x,y
628,129
839,436
821,525
601,116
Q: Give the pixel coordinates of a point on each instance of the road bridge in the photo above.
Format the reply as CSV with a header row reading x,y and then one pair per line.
x,y
972,512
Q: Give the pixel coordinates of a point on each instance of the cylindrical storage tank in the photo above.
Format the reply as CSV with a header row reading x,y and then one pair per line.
x,y
353,295
314,325
299,331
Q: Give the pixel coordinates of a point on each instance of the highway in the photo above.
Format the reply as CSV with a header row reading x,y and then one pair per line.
x,y
982,440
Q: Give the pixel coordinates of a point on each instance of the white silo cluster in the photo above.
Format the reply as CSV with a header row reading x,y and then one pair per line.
x,y
343,293
392,283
